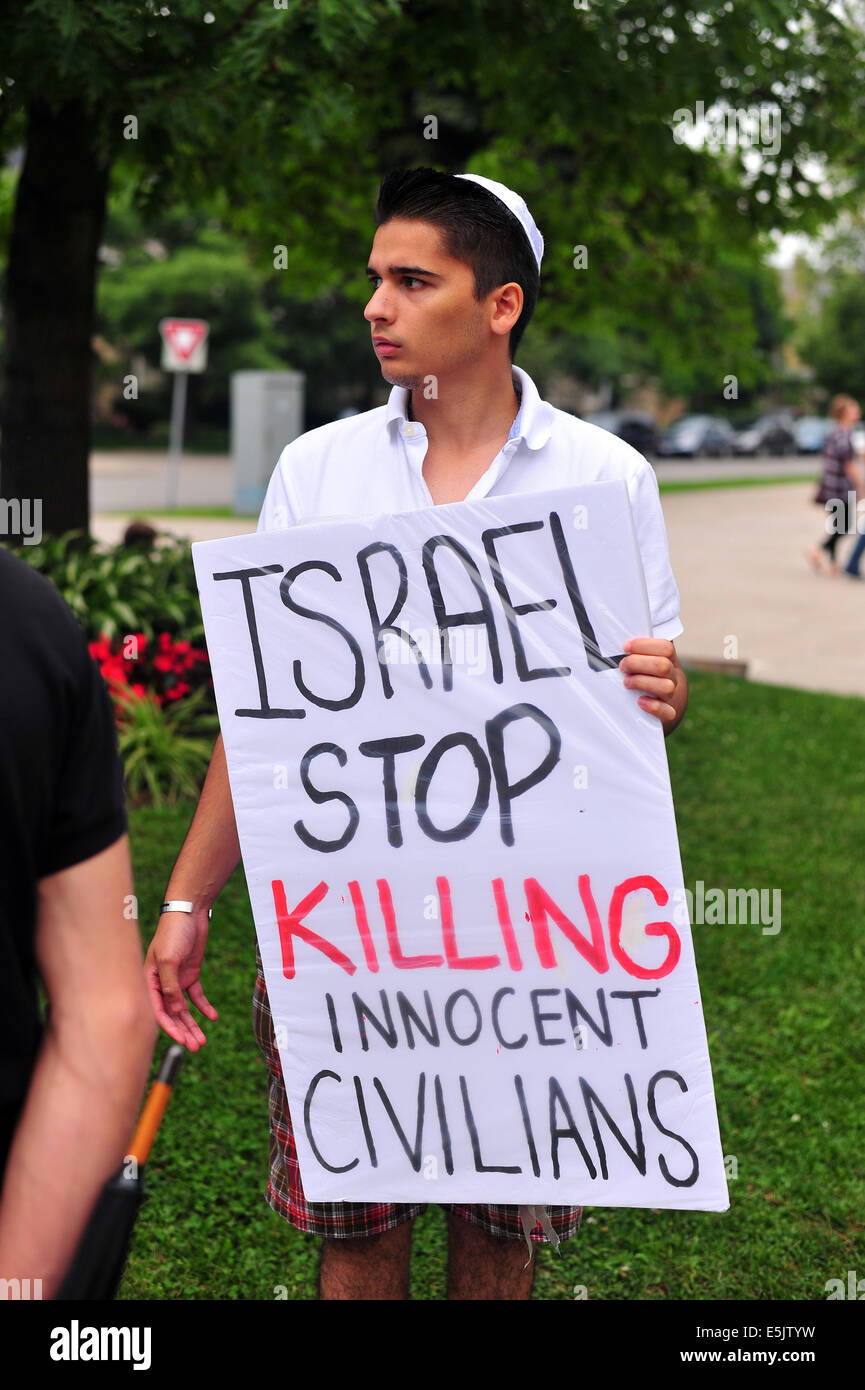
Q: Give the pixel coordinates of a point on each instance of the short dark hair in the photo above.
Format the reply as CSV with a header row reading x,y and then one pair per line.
x,y
477,227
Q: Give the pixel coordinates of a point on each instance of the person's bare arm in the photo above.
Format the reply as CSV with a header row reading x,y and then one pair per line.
x,y
209,855
91,1070
652,666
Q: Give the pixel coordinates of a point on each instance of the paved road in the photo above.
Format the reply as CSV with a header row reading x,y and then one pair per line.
x,y
130,480
692,470
739,555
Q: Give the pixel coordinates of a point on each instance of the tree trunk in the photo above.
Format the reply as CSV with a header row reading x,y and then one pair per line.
x,y
49,298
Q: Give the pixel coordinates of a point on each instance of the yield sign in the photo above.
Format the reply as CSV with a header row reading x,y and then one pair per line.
x,y
184,344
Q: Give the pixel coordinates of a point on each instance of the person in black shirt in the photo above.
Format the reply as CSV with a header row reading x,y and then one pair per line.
x,y
69,1085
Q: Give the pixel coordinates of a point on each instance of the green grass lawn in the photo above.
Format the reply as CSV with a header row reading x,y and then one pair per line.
x,y
701,484
770,793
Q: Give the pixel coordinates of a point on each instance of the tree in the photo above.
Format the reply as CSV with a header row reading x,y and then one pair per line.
x,y
93,85
289,112
828,306
188,260
832,343
209,276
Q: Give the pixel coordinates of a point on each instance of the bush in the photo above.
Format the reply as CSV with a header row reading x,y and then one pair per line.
x,y
139,608
122,589
165,750
166,670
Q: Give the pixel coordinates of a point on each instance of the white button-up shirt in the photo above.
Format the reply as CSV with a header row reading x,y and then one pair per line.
x,y
373,463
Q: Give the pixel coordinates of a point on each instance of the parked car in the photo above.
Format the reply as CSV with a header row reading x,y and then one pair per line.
x,y
636,427
811,433
767,436
693,435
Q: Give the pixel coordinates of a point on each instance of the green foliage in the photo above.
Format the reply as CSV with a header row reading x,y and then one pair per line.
x,y
260,318
831,341
8,185
211,278
165,751
118,589
275,124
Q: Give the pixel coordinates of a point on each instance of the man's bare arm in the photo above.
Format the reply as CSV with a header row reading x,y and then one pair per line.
x,y
91,1070
207,859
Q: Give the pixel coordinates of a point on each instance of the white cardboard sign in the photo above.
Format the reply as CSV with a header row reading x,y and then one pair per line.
x,y
460,847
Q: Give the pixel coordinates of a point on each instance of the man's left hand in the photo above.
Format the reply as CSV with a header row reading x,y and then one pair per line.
x,y
650,664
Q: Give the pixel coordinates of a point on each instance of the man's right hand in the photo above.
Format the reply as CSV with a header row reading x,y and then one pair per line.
x,y
172,966
210,854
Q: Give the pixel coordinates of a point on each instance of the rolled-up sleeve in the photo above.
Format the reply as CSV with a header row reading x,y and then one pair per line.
x,y
651,533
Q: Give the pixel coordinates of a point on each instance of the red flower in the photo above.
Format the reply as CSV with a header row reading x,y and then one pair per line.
x,y
178,691
157,671
114,670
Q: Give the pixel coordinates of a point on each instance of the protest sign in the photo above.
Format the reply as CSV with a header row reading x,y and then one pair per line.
x,y
460,847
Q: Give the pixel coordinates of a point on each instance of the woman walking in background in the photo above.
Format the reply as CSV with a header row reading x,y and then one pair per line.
x,y
841,477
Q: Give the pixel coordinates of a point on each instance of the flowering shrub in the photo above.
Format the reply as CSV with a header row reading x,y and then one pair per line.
x,y
139,609
166,670
164,707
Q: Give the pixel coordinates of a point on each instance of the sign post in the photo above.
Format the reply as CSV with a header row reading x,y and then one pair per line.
x,y
460,847
184,350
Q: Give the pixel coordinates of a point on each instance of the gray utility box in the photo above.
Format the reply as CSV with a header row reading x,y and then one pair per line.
x,y
266,414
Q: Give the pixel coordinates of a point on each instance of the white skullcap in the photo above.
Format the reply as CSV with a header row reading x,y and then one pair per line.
x,y
515,204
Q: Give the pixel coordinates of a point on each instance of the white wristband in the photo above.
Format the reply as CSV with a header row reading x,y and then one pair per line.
x,y
178,905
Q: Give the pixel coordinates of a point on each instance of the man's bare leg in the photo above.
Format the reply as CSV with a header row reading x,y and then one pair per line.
x,y
485,1266
366,1267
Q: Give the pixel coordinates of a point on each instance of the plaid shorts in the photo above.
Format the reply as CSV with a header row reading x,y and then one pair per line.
x,y
284,1191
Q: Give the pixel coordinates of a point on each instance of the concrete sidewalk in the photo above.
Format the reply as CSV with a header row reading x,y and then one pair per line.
x,y
130,478
747,589
740,560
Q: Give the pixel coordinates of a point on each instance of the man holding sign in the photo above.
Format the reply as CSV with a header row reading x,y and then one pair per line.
x,y
454,271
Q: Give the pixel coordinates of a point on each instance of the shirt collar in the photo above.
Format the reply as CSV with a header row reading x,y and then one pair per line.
x,y
534,422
